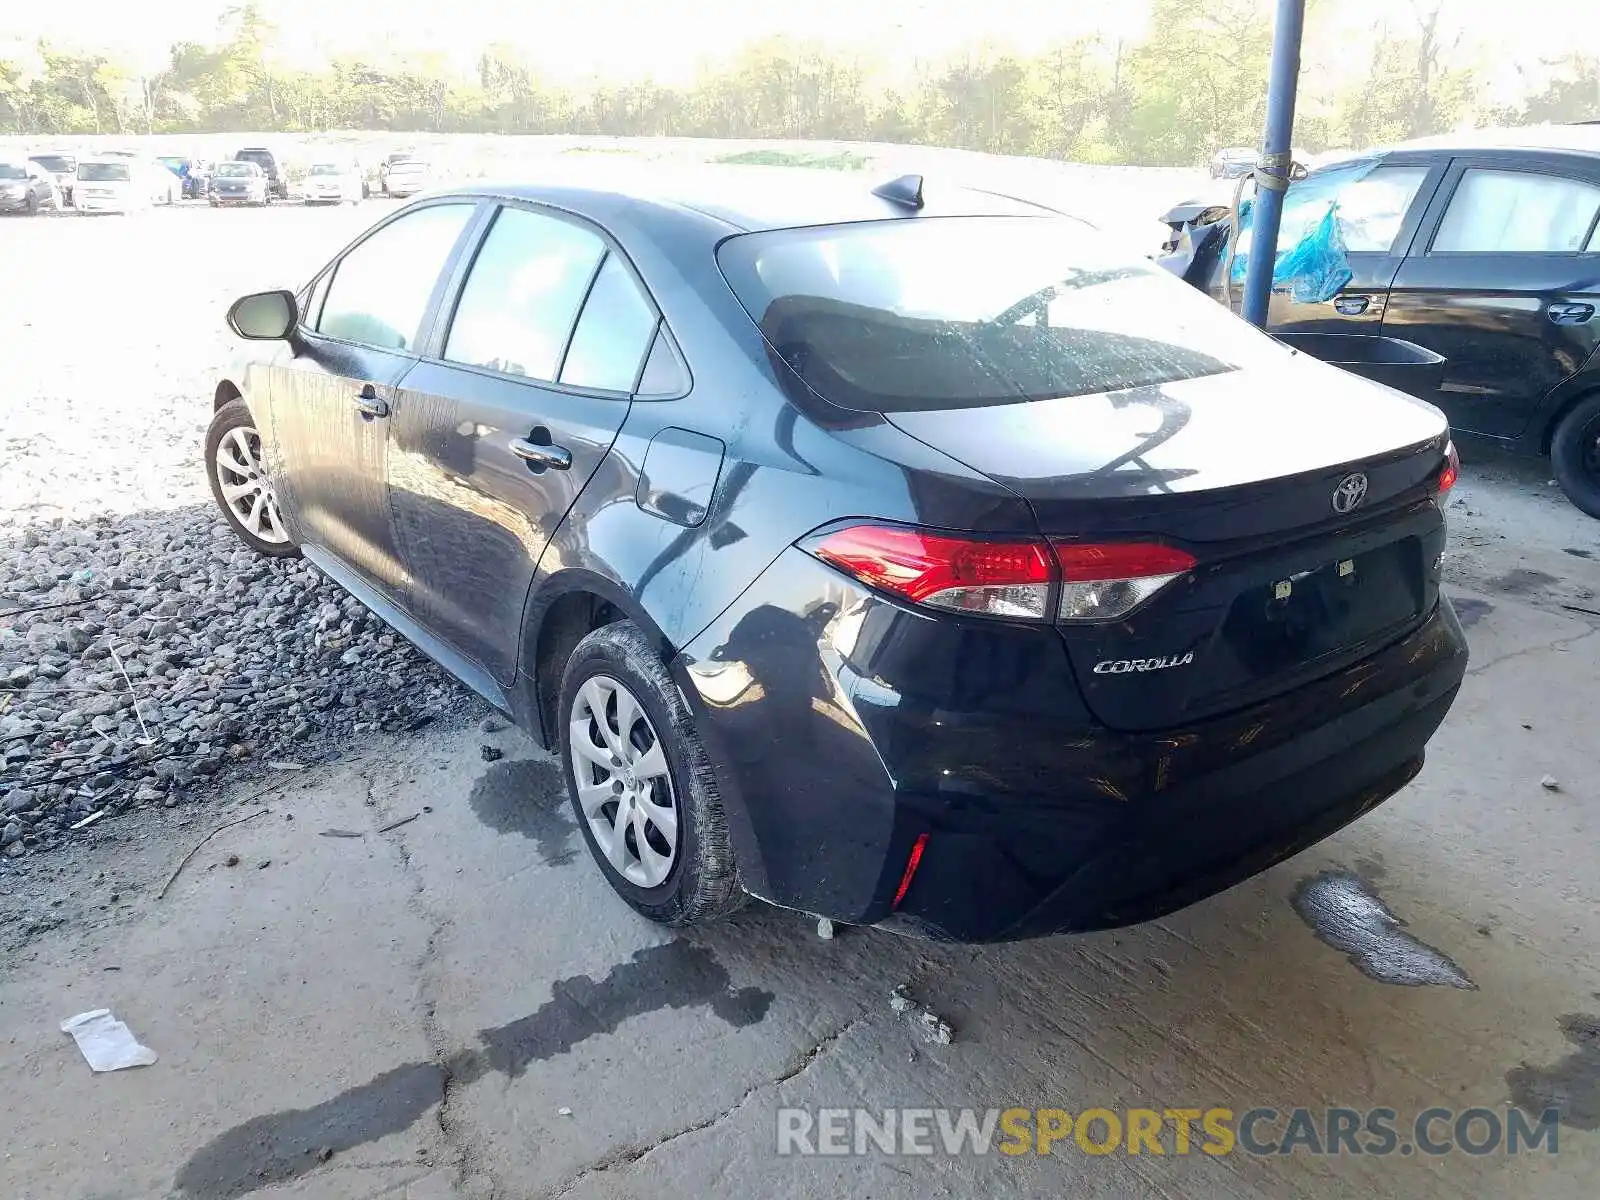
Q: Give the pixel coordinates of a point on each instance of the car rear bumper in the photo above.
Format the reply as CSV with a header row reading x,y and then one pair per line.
x,y
843,728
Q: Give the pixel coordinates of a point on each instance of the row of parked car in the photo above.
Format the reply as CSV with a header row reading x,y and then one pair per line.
x,y
128,180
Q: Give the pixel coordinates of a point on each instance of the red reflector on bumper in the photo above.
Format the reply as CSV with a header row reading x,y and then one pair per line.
x,y
911,869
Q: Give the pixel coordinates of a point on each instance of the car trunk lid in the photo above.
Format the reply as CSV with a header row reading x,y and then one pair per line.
x,y
1306,500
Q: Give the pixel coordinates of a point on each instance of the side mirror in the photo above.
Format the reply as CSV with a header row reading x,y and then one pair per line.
x,y
264,316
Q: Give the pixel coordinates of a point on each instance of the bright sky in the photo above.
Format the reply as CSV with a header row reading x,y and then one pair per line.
x,y
631,38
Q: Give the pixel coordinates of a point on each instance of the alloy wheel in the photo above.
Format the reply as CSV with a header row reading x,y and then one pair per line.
x,y
246,489
624,783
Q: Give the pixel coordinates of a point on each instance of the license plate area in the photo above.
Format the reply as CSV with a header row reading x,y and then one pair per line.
x,y
1309,614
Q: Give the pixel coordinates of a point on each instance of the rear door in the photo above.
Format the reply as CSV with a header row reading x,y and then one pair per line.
x,y
1379,209
1504,282
517,406
332,396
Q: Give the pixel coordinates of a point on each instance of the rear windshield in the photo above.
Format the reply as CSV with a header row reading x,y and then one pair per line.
x,y
262,158
103,172
327,169
54,163
952,312
12,171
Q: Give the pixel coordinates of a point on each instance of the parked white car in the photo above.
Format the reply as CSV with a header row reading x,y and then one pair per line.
x,y
407,177
334,183
122,183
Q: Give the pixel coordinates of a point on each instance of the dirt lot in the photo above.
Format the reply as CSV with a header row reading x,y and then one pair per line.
x,y
457,1006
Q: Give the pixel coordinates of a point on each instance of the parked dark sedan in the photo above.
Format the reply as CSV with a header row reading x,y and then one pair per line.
x,y
26,188
238,183
1484,248
916,561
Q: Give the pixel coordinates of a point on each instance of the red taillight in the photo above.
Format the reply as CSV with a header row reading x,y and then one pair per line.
x,y
1102,582
1451,472
911,869
1002,579
1096,581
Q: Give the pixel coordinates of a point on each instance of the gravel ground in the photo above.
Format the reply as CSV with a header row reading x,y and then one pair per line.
x,y
150,656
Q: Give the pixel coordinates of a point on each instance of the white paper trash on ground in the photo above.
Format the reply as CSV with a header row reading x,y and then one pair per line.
x,y
107,1044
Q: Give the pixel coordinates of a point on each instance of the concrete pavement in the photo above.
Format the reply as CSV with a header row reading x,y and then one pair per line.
x,y
460,1007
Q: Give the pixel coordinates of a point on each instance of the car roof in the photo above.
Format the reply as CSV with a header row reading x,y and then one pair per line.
x,y
750,198
1573,139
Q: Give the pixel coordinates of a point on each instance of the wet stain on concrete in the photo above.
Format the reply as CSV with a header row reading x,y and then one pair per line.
x,y
676,975
1571,1086
1522,581
528,796
1372,869
283,1146
273,1149
1344,911
1469,610
1577,553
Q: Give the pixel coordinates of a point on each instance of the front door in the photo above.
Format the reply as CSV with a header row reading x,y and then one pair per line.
x,y
333,393
497,432
1377,208
1505,283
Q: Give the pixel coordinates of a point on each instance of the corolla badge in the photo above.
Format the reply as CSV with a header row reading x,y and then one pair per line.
x,y
1352,490
1121,666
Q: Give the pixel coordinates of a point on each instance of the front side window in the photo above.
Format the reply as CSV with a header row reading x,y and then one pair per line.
x,y
380,289
949,312
1370,204
1519,212
518,305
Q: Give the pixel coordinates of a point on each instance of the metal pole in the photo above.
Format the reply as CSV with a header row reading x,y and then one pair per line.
x,y
1272,178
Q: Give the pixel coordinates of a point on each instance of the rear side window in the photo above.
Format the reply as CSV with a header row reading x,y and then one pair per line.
x,y
380,289
1519,212
613,334
953,312
518,305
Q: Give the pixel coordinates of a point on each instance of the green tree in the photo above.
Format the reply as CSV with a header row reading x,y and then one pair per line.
x,y
1573,93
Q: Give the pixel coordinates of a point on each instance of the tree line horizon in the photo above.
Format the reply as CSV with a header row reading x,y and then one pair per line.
x,y
1195,84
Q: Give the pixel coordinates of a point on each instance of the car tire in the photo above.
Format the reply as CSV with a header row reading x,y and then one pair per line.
x,y
1575,454
232,441
609,668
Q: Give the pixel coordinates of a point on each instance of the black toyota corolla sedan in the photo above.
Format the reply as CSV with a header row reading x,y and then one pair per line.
x,y
906,556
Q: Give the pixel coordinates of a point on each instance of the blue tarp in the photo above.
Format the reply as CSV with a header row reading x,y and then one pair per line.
x,y
1311,262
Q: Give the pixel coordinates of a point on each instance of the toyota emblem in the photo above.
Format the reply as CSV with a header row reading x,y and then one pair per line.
x,y
1352,490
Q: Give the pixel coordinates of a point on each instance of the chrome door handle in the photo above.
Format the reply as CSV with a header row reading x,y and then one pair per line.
x,y
535,455
1352,306
370,404
1570,314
